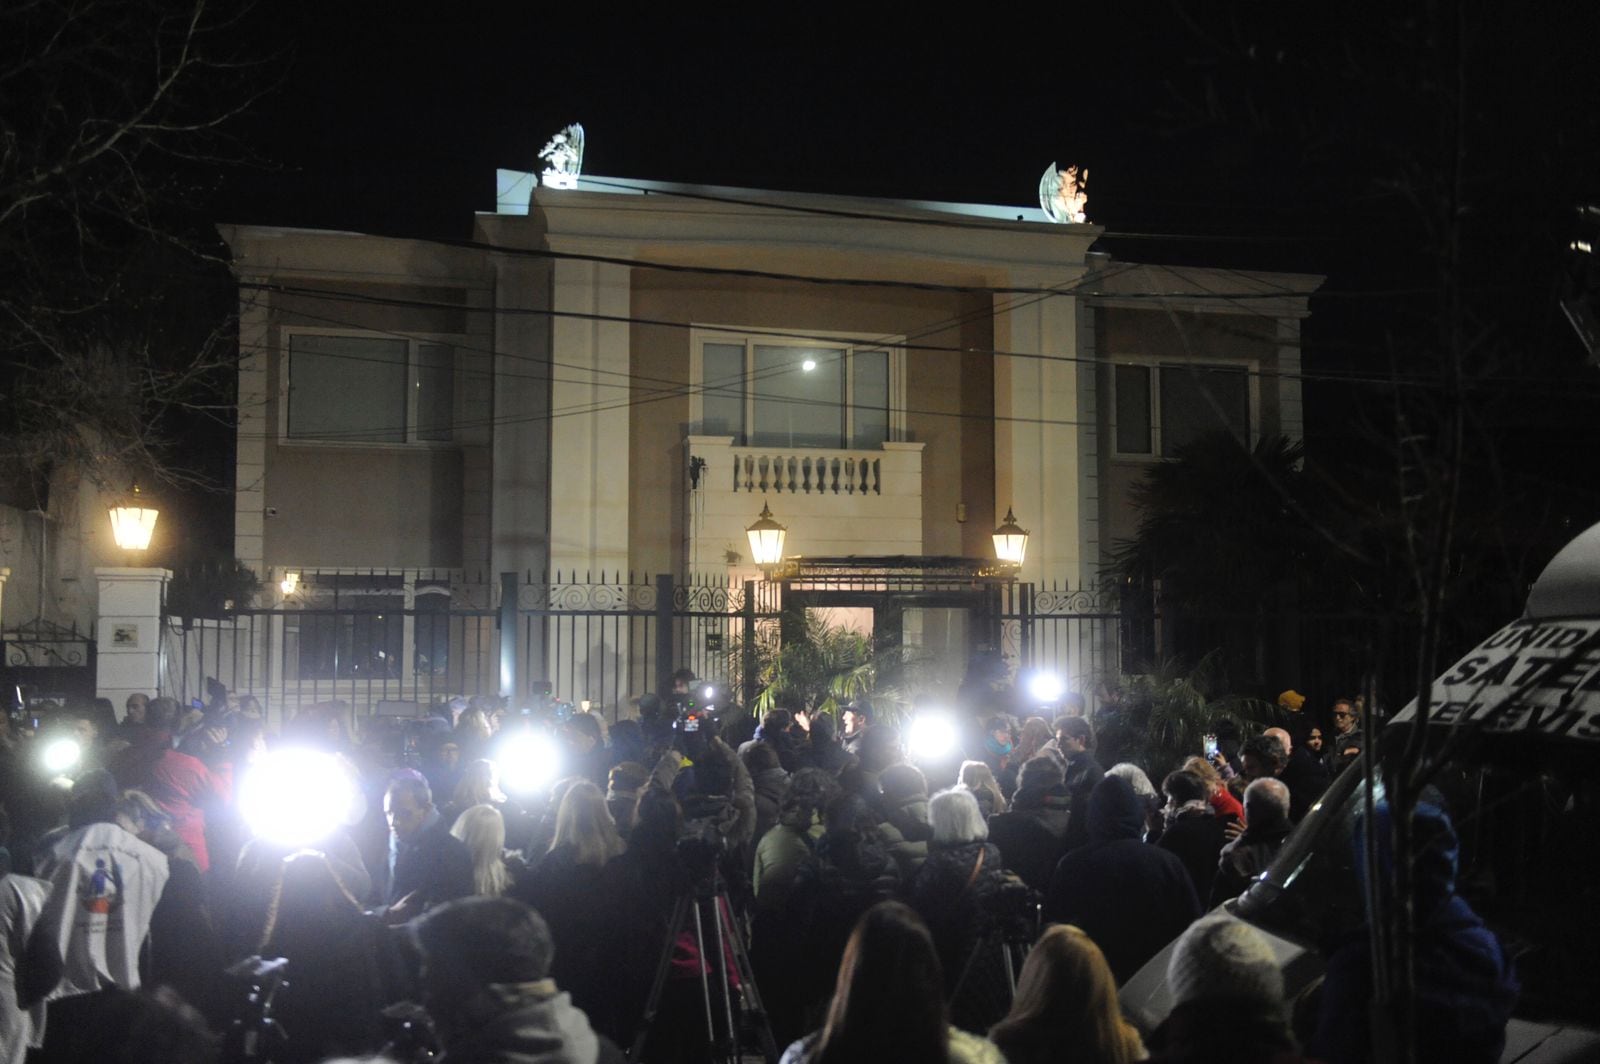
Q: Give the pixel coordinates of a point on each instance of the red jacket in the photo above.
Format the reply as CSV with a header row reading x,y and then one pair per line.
x,y
181,785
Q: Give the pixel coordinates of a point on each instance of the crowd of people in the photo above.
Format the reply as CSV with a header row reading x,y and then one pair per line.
x,y
886,894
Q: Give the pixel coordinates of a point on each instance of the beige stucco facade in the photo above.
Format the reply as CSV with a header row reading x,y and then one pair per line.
x,y
576,318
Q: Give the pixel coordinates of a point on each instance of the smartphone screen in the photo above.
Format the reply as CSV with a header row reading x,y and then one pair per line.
x,y
1211,746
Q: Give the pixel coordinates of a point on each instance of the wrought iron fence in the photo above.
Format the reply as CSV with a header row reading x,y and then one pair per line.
x,y
394,641
43,660
1077,633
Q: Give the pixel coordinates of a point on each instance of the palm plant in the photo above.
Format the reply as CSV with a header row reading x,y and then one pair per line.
x,y
1162,715
827,666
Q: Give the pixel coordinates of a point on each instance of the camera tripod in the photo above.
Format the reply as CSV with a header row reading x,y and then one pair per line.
x,y
1006,939
727,1045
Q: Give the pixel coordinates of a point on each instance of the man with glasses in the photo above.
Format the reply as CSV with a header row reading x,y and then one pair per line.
x,y
1344,745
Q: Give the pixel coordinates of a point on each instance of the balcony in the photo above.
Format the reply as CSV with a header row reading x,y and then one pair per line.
x,y
864,502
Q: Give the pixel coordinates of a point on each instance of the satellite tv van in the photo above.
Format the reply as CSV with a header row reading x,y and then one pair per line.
x,y
1515,729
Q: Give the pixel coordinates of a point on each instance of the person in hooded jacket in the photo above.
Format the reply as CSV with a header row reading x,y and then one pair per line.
x,y
1465,987
1130,897
1032,836
903,811
768,779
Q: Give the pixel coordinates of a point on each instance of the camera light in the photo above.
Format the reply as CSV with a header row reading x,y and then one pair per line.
x,y
708,692
296,797
932,737
1046,687
61,756
528,763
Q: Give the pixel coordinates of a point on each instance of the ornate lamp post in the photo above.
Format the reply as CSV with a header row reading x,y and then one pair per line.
x,y
1010,540
133,523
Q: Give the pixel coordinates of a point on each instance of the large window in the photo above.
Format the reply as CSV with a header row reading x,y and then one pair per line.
x,y
775,393
368,389
1162,406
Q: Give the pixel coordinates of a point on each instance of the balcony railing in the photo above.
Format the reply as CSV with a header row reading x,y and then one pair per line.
x,y
862,501
822,473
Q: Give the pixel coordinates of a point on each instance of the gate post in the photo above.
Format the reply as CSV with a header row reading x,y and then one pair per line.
x,y
747,645
507,623
128,632
664,653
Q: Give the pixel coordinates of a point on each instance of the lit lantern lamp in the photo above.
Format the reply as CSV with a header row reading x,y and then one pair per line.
x,y
766,539
133,523
1010,540
290,583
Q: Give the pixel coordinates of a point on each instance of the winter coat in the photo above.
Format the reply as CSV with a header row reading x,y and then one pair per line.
x,y
768,785
1196,837
433,864
828,755
779,855
1032,836
182,786
905,831
1224,804
1306,777
1130,897
1465,988
948,896
1246,857
536,1025
563,892
737,824
845,876
1083,772
345,967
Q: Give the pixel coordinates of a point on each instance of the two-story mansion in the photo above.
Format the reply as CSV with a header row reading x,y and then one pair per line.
x,y
617,377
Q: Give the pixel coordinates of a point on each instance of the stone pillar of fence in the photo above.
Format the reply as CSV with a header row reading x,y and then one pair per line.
x,y
128,632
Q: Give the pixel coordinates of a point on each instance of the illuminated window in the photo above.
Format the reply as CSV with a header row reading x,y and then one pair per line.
x,y
1159,407
773,392
364,388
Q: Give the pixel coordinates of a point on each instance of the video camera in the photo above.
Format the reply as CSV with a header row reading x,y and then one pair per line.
x,y
1011,909
701,844
254,1035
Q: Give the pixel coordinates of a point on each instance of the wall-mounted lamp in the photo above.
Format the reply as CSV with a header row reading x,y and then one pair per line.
x,y
1010,540
766,539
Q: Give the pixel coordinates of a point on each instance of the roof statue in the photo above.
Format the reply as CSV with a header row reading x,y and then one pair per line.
x,y
563,158
1063,195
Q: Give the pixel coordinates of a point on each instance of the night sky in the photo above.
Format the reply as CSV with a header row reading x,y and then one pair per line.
x,y
1249,136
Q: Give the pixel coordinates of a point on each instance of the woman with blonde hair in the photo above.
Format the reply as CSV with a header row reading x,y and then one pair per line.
x,y
564,887
483,829
1066,1007
584,824
1223,803
978,778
